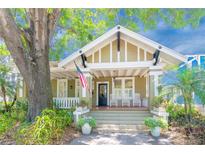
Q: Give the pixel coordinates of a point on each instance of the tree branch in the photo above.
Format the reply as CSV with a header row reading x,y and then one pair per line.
x,y
11,35
52,21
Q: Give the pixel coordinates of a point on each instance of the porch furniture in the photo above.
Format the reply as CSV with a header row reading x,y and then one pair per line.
x,y
126,101
137,100
145,102
114,100
66,102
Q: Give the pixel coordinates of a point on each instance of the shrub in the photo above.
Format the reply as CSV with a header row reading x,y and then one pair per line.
x,y
22,104
47,127
177,113
154,122
6,122
91,121
16,114
157,101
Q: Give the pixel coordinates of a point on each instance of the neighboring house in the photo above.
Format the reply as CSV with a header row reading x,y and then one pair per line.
x,y
196,60
14,75
119,68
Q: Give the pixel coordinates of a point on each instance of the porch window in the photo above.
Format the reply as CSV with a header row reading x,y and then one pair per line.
x,y
118,87
123,87
62,87
128,91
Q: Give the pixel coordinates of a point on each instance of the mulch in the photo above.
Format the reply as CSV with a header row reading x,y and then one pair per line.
x,y
177,136
70,133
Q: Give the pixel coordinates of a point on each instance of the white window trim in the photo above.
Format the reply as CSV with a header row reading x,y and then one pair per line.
x,y
58,81
108,93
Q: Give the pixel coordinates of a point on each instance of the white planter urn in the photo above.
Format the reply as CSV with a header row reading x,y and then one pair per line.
x,y
86,129
155,132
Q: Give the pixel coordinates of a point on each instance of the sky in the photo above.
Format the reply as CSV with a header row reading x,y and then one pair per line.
x,y
186,40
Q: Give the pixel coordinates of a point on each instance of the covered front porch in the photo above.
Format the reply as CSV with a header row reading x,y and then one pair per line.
x,y
109,88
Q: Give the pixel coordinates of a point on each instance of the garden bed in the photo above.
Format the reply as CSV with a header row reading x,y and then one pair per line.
x,y
176,135
69,134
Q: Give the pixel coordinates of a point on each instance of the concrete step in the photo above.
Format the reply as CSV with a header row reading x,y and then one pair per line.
x,y
120,117
120,128
131,118
120,113
120,122
117,112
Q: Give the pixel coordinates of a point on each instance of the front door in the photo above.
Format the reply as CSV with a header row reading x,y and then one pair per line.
x,y
102,94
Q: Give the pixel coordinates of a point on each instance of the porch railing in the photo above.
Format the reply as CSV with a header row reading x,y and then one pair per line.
x,y
66,102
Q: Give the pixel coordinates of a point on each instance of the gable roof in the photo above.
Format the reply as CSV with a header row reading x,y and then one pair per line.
x,y
113,31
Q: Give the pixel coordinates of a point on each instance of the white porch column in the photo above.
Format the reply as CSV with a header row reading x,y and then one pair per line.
x,y
153,83
154,78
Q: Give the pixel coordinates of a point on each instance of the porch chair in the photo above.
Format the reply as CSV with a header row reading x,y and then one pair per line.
x,y
126,100
145,102
137,100
113,100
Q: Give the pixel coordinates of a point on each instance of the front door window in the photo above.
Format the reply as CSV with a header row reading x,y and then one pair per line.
x,y
102,94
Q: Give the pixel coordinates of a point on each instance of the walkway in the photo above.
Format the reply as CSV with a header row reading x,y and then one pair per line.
x,y
119,138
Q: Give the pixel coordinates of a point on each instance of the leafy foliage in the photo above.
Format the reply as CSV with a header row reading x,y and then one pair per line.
x,y
157,101
3,50
177,113
17,114
6,123
189,81
47,127
7,88
155,122
77,27
91,121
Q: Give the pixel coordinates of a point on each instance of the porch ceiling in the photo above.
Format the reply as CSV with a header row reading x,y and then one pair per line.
x,y
61,73
120,73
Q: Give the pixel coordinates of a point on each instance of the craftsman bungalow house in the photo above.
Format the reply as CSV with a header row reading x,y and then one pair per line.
x,y
122,69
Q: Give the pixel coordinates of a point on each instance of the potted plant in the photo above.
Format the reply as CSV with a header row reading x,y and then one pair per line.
x,y
86,124
155,125
158,104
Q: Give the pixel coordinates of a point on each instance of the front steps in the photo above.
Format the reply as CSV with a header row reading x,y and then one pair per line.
x,y
120,121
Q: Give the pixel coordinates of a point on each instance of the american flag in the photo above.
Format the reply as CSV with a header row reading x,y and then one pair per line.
x,y
81,76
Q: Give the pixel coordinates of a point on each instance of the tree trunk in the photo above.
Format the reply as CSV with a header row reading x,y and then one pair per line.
x,y
39,88
30,50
